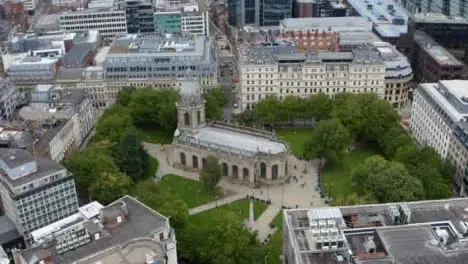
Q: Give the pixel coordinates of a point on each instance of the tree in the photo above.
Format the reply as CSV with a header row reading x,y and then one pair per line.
x,y
215,101
110,186
125,96
87,166
365,115
162,201
426,165
386,181
211,173
113,124
392,139
319,106
328,140
266,111
131,157
227,241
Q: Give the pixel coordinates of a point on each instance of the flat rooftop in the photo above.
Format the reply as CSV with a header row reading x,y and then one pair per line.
x,y
116,245
436,51
436,18
345,24
423,232
389,19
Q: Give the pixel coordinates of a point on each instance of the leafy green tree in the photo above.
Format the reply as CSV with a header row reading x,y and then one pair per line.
x,y
87,166
266,111
109,187
426,165
215,101
131,157
365,115
228,241
319,106
143,107
211,173
125,96
113,124
386,181
328,140
392,139
162,201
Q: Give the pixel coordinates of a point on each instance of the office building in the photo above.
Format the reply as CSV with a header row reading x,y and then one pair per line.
x,y
319,8
168,22
432,62
125,231
139,14
429,232
439,119
196,23
446,7
390,21
9,99
68,115
265,13
109,22
35,192
282,71
30,5
160,62
70,3
327,33
398,74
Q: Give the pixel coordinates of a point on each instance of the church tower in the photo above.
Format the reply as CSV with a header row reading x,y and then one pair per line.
x,y
190,108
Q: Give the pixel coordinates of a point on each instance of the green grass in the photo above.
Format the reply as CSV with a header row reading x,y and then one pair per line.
x,y
296,138
274,248
190,191
154,164
278,220
239,207
336,177
154,136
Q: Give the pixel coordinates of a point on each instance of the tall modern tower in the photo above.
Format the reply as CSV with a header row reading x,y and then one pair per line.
x,y
258,12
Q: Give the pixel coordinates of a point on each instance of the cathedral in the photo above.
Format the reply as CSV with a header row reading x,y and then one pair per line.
x,y
247,155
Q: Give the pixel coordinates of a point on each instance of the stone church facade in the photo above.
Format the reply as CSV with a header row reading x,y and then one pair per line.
x,y
247,155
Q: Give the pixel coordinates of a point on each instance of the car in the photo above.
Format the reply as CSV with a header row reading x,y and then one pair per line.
x,y
236,105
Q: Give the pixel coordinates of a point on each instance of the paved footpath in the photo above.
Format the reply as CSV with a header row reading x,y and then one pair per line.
x,y
215,204
262,225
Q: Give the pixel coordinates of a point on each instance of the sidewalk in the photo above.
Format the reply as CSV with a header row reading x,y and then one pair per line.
x,y
215,204
262,225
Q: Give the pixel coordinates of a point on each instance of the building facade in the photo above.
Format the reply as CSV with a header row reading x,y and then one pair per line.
x,y
283,71
35,192
258,13
319,8
246,155
168,22
9,99
139,15
448,8
108,21
398,74
160,62
125,231
195,23
439,117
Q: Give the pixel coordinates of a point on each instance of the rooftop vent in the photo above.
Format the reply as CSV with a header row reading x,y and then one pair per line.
x,y
369,245
12,157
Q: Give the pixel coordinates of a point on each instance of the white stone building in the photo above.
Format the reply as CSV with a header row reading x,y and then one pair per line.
x,y
282,71
109,22
246,155
439,119
195,23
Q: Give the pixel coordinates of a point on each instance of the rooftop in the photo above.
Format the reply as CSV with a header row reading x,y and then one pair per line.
x,y
437,18
436,51
45,167
423,232
115,245
345,24
396,64
389,19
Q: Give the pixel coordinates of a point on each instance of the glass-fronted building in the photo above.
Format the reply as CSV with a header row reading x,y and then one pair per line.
x,y
258,13
167,22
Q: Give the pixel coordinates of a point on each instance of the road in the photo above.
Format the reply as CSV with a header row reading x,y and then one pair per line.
x,y
225,81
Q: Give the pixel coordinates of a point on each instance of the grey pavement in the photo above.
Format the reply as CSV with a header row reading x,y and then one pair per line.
x,y
215,204
298,193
